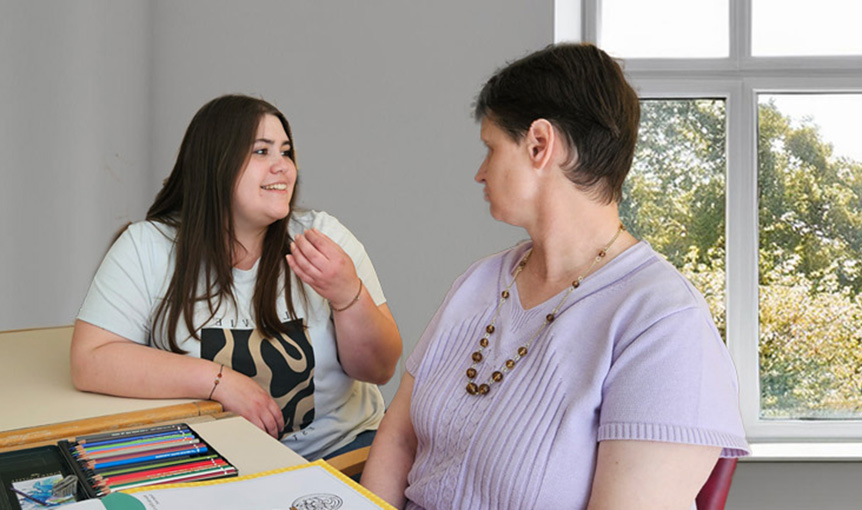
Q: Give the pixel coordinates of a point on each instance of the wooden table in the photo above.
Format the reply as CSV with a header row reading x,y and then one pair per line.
x,y
41,406
39,403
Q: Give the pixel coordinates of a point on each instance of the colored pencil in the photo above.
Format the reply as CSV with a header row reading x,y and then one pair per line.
x,y
133,443
135,439
181,473
150,456
125,433
151,465
189,477
161,445
157,473
167,449
31,498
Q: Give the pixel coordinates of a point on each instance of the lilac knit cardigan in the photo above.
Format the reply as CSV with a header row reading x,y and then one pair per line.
x,y
633,354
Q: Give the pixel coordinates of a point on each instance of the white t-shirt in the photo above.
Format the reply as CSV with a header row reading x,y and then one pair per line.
x,y
324,409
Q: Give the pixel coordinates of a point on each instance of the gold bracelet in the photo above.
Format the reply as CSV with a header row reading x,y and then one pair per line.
x,y
355,299
215,383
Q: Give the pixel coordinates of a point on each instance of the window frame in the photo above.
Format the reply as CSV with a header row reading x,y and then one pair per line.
x,y
739,79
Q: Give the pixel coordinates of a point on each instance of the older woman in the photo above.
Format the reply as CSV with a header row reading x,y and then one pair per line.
x,y
578,369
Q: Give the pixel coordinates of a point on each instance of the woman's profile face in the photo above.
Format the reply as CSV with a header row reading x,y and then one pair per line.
x,y
265,186
505,174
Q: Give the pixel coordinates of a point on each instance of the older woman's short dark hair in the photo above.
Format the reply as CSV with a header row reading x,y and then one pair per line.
x,y
581,91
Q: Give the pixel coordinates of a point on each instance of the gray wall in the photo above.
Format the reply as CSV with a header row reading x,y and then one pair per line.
x,y
95,96
796,486
74,147
378,95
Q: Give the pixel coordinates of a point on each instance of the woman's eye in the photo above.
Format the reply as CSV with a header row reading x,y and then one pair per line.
x,y
286,153
262,152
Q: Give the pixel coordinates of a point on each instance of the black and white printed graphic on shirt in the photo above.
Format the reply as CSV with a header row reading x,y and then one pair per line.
x,y
284,366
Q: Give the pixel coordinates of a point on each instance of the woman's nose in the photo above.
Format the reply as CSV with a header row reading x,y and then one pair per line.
x,y
480,174
279,164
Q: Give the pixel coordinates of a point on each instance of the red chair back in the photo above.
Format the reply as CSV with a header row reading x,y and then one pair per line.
x,y
713,494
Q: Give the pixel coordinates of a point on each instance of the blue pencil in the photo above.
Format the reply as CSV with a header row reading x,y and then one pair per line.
x,y
139,442
133,437
144,458
31,498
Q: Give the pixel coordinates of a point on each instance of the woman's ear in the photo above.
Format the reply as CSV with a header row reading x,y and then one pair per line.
x,y
541,142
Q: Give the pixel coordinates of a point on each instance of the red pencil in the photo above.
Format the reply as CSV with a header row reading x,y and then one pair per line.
x,y
159,472
187,477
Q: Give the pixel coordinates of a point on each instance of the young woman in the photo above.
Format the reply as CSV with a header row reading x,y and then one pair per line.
x,y
578,369
225,292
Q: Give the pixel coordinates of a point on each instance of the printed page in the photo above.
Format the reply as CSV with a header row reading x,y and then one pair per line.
x,y
311,486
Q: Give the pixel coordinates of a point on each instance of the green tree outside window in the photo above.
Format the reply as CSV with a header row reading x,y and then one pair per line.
x,y
810,217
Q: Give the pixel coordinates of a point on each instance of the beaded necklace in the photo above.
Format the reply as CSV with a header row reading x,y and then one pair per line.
x,y
477,357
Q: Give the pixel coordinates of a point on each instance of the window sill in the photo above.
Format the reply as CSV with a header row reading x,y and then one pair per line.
x,y
805,452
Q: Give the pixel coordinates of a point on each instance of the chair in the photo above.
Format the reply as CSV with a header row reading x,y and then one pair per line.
x,y
351,463
713,494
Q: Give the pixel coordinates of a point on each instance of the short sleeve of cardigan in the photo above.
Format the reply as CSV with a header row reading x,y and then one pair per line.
x,y
674,382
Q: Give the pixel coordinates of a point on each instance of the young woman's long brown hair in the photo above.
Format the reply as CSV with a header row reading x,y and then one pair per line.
x,y
196,201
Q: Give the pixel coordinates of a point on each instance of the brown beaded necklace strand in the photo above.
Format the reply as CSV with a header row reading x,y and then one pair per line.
x,y
477,357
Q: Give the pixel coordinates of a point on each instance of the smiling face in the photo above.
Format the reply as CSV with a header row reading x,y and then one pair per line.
x,y
506,174
264,187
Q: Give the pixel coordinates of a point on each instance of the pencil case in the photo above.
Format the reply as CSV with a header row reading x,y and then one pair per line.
x,y
26,468
110,462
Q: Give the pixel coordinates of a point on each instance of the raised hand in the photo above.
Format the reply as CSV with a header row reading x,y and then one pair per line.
x,y
319,262
366,335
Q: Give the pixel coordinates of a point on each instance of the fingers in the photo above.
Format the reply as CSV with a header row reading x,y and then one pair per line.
x,y
301,268
257,422
306,260
322,243
266,416
267,413
245,397
319,262
318,249
269,424
279,417
308,246
323,265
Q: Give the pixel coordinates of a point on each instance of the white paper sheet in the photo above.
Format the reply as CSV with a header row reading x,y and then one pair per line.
x,y
309,487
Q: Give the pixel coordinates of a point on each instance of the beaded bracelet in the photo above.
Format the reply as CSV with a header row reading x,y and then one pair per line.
x,y
355,299
215,383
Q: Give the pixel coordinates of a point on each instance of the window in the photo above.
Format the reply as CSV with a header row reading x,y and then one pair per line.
x,y
748,177
810,260
655,28
802,27
674,194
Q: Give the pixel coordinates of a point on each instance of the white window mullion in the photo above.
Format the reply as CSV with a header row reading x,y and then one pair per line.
x,y
742,249
740,30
